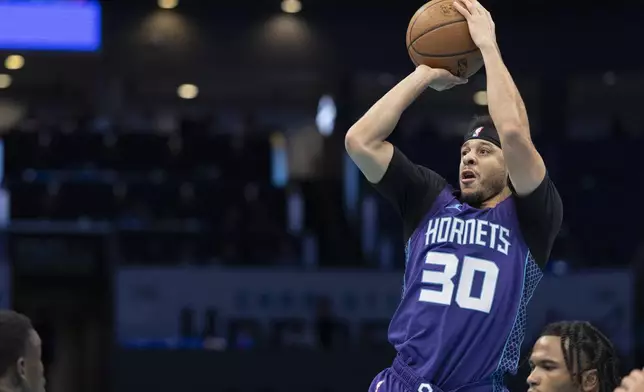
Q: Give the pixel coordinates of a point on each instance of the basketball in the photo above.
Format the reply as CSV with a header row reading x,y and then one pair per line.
x,y
438,37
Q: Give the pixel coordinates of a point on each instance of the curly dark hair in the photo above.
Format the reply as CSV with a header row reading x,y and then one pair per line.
x,y
14,335
585,347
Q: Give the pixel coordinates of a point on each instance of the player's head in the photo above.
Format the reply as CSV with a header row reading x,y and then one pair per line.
x,y
482,170
21,367
573,356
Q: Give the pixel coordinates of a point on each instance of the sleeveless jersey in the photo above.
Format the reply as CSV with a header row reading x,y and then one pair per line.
x,y
469,276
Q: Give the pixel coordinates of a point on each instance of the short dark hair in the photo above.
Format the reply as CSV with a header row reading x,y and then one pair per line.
x,y
14,335
484,121
587,343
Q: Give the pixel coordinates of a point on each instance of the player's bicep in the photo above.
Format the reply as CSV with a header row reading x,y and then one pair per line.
x,y
372,161
525,165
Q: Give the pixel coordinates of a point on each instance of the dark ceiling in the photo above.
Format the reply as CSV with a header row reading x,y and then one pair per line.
x,y
225,46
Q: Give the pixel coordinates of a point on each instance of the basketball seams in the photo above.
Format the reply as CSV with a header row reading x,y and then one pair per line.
x,y
434,28
444,55
421,11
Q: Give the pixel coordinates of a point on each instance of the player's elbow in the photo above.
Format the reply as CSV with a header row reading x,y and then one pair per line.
x,y
354,142
350,142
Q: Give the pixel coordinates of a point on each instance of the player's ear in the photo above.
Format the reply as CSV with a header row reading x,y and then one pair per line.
x,y
590,381
21,369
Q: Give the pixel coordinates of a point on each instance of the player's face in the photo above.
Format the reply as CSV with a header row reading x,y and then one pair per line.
x,y
549,371
483,174
32,371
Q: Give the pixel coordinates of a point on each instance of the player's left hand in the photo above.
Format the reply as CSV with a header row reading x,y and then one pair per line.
x,y
634,382
479,22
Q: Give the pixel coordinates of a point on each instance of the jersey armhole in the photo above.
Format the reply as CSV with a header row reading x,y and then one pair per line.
x,y
540,216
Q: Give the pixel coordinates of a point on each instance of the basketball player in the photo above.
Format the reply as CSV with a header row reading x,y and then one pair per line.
x,y
573,356
473,256
21,368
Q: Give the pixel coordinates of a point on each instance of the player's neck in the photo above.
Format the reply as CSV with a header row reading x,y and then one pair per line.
x,y
492,202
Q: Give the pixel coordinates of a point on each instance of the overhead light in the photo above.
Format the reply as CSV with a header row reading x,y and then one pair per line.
x,y
168,4
291,6
325,119
480,98
14,62
188,91
5,81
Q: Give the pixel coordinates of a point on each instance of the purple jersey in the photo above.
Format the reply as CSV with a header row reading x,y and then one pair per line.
x,y
469,275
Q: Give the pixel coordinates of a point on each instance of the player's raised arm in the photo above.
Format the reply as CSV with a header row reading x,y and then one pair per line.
x,y
365,141
409,188
525,166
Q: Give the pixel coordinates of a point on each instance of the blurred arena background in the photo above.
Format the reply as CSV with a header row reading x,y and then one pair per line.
x,y
178,210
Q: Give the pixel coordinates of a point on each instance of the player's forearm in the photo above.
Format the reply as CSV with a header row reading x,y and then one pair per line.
x,y
504,100
381,119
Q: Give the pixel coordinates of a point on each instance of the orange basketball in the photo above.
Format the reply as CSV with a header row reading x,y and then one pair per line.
x,y
438,37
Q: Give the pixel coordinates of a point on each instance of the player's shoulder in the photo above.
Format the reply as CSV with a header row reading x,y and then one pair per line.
x,y
507,206
431,177
447,198
444,203
509,210
539,216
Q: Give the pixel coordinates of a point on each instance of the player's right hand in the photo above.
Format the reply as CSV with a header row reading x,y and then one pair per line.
x,y
634,382
440,79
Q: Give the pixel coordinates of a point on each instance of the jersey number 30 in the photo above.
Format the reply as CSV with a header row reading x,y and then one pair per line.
x,y
444,293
